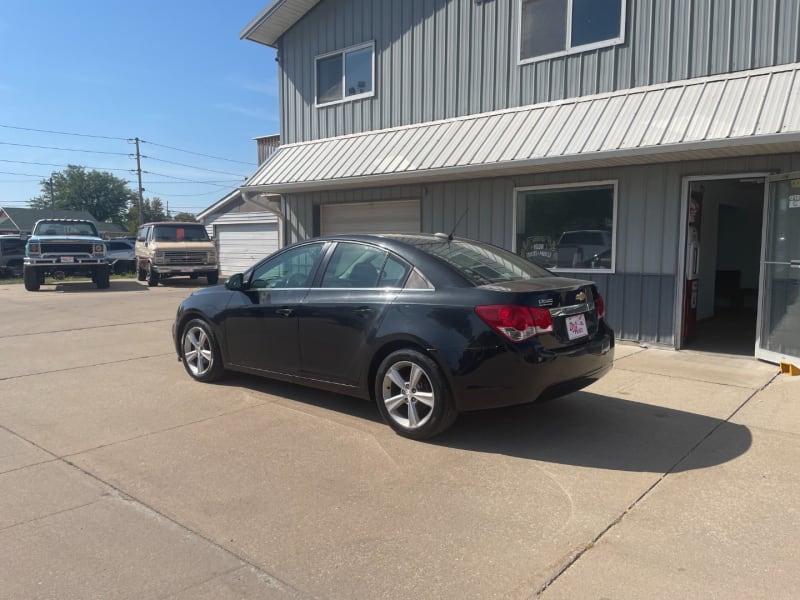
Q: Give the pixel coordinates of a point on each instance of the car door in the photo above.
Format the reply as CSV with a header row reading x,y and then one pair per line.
x,y
261,323
341,314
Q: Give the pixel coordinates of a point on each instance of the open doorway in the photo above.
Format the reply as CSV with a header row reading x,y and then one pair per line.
x,y
724,229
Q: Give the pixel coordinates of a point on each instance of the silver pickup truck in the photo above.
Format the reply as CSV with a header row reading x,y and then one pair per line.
x,y
58,247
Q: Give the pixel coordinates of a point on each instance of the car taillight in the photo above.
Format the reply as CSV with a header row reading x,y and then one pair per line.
x,y
517,323
601,306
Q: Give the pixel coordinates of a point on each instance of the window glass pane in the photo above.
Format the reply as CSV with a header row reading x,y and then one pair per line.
x,y
478,263
358,72
595,21
354,266
291,269
567,228
544,27
329,79
394,273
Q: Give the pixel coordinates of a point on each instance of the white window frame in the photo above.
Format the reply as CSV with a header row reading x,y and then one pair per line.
x,y
344,52
573,186
569,49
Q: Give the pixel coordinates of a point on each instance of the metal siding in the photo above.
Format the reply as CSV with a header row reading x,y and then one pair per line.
x,y
640,296
437,59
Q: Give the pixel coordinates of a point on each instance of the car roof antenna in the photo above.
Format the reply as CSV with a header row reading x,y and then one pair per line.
x,y
452,234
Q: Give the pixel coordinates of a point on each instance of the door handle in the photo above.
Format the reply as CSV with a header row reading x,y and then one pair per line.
x,y
364,310
795,264
285,312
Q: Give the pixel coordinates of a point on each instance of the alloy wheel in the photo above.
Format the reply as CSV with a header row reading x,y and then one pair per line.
x,y
408,394
198,353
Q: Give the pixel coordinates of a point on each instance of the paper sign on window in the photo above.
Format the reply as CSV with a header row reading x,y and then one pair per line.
x,y
794,201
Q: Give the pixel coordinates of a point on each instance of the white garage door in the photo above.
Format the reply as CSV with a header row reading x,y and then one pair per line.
x,y
242,245
387,216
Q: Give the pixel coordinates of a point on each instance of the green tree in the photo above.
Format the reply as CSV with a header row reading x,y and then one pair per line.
x,y
102,194
152,210
184,216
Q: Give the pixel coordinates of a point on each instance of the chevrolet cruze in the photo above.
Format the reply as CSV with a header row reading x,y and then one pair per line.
x,y
426,326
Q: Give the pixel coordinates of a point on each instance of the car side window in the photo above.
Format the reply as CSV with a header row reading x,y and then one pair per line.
x,y
394,272
290,269
354,266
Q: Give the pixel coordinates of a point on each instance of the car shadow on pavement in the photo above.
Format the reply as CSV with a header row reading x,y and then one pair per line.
x,y
602,432
582,429
72,287
339,403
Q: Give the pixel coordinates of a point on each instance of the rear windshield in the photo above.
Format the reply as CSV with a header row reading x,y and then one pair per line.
x,y
480,264
12,246
65,228
180,233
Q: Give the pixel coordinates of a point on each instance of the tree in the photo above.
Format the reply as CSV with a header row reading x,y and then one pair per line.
x,y
102,194
184,216
152,210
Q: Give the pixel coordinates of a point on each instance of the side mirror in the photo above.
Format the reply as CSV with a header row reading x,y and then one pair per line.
x,y
235,283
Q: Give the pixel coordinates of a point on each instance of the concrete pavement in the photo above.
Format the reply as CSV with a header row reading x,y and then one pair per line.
x,y
674,476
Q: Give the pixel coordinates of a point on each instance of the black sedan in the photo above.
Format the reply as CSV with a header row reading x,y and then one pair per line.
x,y
427,325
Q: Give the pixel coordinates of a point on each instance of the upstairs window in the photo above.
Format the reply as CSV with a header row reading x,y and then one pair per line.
x,y
551,28
345,75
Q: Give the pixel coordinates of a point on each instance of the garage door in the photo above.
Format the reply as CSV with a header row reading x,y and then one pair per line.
x,y
242,245
394,216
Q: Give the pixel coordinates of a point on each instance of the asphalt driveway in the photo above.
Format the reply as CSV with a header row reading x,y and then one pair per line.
x,y
120,477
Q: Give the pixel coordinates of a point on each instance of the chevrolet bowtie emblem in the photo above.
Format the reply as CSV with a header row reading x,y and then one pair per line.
x,y
580,296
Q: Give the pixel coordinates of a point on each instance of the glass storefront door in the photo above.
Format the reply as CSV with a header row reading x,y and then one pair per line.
x,y
779,305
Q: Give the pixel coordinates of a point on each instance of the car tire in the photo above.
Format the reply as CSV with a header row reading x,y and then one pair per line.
x,y
31,277
200,352
413,396
212,278
101,277
151,276
141,274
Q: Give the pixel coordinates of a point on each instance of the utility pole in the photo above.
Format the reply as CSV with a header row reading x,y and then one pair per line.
x,y
139,172
52,199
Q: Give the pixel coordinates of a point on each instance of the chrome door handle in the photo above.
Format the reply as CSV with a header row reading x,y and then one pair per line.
x,y
285,312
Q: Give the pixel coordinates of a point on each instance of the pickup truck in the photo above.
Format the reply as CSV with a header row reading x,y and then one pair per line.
x,y
58,247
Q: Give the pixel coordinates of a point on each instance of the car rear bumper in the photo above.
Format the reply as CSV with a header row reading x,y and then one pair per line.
x,y
493,378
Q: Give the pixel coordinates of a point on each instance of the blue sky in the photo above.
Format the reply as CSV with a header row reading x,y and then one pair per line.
x,y
172,72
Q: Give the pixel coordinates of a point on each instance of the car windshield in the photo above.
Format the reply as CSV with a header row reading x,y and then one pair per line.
x,y
180,233
480,264
65,228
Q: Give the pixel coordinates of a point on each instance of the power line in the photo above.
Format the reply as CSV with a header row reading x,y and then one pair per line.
x,y
25,162
183,179
24,174
69,149
171,195
101,137
197,153
192,167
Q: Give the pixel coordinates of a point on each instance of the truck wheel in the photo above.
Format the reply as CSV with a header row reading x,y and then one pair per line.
x,y
31,277
141,274
213,278
152,276
100,274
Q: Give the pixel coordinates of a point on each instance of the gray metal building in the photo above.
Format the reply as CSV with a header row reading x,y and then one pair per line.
x,y
650,145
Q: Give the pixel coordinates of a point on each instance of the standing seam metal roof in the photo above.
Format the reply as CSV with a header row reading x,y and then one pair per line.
x,y
715,116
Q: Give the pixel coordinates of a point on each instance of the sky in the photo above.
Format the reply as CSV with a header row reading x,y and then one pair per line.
x,y
170,72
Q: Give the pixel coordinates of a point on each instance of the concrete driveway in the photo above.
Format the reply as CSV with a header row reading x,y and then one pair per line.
x,y
674,477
